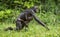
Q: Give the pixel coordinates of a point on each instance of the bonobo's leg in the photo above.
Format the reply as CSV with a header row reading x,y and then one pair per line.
x,y
19,25
24,24
26,27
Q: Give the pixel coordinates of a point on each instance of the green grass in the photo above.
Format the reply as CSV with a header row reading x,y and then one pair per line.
x,y
35,30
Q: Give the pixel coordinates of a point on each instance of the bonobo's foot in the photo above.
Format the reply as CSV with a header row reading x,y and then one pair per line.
x,y
9,28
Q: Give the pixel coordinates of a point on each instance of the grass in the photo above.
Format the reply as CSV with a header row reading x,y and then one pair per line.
x,y
35,30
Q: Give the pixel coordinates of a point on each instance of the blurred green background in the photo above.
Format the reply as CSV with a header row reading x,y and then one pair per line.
x,y
49,14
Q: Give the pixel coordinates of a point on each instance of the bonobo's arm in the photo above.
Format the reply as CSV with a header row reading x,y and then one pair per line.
x,y
41,23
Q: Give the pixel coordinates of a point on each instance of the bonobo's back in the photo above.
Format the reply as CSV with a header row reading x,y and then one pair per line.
x,y
21,16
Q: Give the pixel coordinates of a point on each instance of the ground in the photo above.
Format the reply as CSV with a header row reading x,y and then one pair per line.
x,y
33,31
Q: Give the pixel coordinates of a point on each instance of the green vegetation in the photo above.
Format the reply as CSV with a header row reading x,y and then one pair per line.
x,y
49,13
33,31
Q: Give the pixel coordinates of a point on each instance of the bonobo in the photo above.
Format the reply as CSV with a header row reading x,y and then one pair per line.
x,y
25,17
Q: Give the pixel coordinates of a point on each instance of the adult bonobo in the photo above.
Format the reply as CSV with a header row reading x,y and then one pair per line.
x,y
25,17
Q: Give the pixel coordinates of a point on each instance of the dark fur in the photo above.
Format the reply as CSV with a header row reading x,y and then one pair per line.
x,y
25,17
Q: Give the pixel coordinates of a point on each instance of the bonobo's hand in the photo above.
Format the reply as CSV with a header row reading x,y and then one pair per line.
x,y
47,28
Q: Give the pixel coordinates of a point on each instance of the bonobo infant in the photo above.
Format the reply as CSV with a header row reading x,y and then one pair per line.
x,y
25,17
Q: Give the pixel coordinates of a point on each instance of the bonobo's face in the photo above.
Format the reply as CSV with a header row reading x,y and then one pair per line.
x,y
35,9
